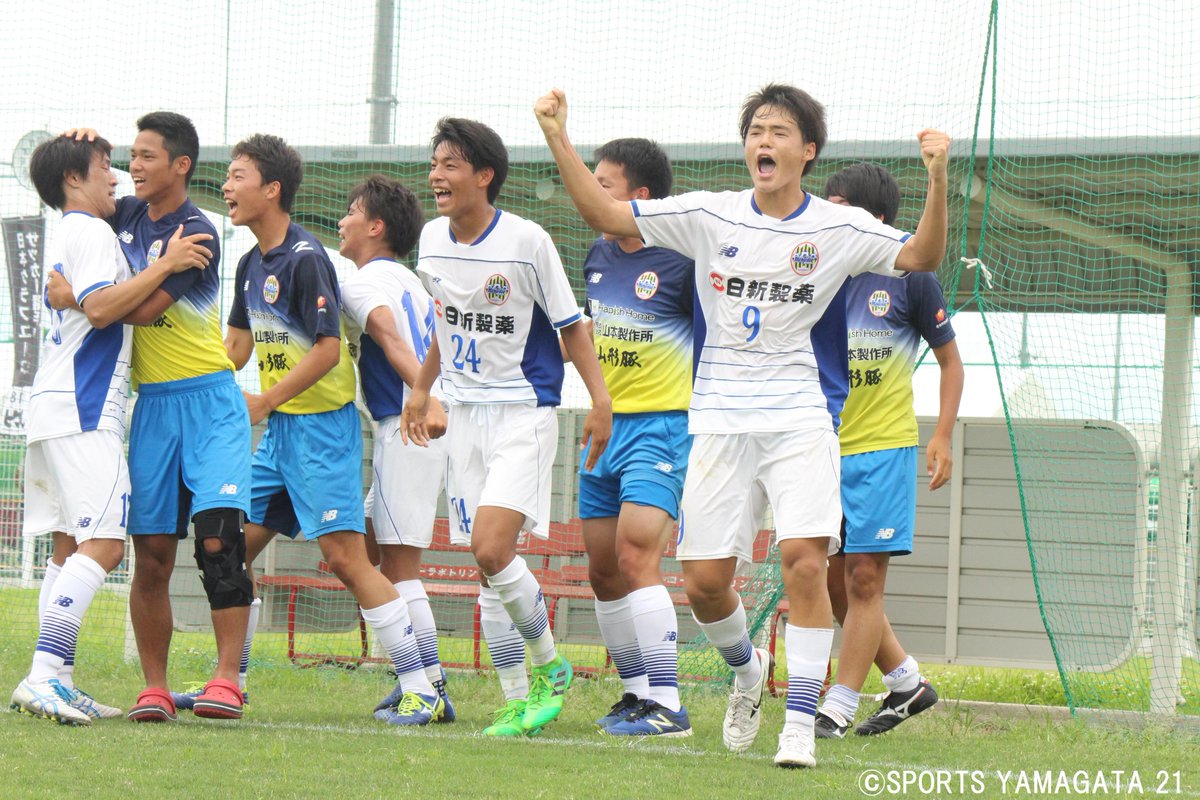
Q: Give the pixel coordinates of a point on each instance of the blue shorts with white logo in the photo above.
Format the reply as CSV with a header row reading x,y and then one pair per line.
x,y
645,463
308,474
879,501
189,451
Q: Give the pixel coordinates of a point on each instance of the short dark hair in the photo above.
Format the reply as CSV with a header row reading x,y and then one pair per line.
x,y
644,162
276,161
54,158
799,104
178,134
479,145
867,185
391,201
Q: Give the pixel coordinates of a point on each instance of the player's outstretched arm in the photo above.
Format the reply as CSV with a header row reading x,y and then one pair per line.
x,y
597,427
414,416
927,247
938,461
595,205
113,303
324,355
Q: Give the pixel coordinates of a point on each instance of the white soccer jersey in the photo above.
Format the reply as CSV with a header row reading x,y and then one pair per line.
x,y
82,380
772,295
499,302
385,283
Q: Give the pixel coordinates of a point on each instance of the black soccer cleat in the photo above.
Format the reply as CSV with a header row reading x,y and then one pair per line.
x,y
829,726
897,707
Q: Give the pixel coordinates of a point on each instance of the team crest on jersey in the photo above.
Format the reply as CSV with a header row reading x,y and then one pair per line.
x,y
717,280
497,289
879,303
646,285
805,258
154,252
271,289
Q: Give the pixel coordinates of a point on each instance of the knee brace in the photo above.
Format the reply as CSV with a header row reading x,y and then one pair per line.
x,y
223,573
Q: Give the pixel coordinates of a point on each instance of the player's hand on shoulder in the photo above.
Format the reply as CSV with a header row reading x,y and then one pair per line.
x,y
187,252
59,293
551,111
935,150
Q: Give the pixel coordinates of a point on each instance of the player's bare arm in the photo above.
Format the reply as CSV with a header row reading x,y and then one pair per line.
x,y
324,356
925,250
239,345
595,205
113,303
597,427
561,346
381,327
414,416
938,459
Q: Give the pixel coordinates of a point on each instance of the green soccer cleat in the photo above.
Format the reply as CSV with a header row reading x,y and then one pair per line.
x,y
546,692
507,721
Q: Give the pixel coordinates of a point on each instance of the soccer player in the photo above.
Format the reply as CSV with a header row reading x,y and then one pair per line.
x,y
887,318
639,300
189,449
771,264
388,319
307,472
76,477
501,293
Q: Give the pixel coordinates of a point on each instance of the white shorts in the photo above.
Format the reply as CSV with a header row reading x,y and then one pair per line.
x,y
500,455
408,479
730,475
77,484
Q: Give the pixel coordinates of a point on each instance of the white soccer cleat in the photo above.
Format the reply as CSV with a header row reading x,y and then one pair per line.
x,y
797,748
744,713
51,700
87,704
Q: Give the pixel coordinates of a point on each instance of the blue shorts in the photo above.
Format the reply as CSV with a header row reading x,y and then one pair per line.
x,y
308,474
189,451
645,463
879,501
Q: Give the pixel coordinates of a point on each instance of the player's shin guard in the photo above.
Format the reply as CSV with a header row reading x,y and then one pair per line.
x,y
223,573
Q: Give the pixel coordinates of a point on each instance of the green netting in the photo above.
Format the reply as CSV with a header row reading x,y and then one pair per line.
x,y
1074,180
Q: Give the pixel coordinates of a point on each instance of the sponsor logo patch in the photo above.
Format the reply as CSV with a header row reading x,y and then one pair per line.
x,y
717,280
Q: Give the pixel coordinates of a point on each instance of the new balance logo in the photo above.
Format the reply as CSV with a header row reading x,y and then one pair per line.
x,y
302,247
228,488
596,276
83,522
64,601
408,631
671,636
885,534
329,516
663,466
126,237
660,723
729,251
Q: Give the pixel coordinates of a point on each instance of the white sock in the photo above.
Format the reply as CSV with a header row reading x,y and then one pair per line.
x,y
732,641
72,593
905,677
504,643
424,627
657,633
841,699
807,658
615,619
522,598
251,627
52,572
394,630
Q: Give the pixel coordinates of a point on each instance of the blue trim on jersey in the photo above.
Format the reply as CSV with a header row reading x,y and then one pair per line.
x,y
95,362
79,297
84,213
542,363
793,215
382,387
831,345
769,229
568,321
636,211
905,237
484,235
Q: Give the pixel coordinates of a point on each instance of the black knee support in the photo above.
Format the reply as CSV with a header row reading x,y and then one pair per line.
x,y
223,573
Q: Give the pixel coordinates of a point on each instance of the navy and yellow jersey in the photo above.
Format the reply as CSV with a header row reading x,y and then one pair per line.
x,y
289,298
641,309
887,318
185,342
